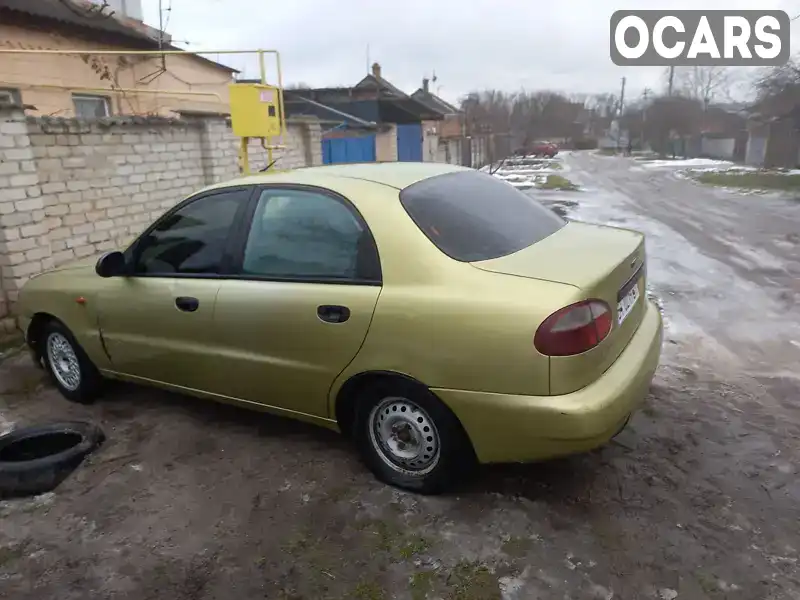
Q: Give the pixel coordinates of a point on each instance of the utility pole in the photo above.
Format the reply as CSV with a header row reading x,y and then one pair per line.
x,y
645,96
671,80
619,114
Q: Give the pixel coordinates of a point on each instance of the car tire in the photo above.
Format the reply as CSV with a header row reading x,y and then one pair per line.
x,y
35,460
409,439
70,369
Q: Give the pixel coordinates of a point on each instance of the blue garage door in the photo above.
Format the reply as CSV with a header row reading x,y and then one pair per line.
x,y
409,142
348,150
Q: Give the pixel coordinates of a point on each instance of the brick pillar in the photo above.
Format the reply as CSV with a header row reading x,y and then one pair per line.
x,y
24,247
218,147
386,144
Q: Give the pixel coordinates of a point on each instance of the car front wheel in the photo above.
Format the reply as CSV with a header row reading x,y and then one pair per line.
x,y
410,439
70,369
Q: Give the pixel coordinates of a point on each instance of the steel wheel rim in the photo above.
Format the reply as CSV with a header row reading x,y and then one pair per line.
x,y
404,436
63,361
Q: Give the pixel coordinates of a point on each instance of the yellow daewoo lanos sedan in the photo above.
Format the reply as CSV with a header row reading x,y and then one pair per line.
x,y
433,313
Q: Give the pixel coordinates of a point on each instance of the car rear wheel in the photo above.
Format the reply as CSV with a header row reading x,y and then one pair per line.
x,y
68,365
409,439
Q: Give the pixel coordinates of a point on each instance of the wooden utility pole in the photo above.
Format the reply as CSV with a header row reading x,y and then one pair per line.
x,y
671,80
619,114
645,97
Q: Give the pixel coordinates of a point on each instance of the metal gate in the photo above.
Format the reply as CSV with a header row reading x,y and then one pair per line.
x,y
409,142
348,150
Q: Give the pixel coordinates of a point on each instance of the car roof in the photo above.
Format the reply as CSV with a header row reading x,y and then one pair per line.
x,y
398,175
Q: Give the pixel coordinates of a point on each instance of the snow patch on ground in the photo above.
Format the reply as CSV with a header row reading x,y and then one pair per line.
x,y
527,172
687,163
732,168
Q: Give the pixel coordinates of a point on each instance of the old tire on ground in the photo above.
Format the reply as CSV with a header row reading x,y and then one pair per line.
x,y
69,367
34,460
409,439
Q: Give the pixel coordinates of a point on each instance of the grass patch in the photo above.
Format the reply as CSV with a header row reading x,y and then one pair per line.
x,y
557,182
517,547
11,554
608,151
421,584
367,590
472,581
413,546
751,180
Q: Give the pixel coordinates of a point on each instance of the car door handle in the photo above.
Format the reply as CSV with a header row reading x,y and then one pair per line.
x,y
187,303
332,313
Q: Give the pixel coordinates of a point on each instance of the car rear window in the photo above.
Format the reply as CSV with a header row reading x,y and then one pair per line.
x,y
472,216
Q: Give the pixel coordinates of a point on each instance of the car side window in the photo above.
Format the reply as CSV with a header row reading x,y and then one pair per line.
x,y
192,239
299,234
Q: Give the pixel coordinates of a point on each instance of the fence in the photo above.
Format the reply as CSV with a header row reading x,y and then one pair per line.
x,y
71,189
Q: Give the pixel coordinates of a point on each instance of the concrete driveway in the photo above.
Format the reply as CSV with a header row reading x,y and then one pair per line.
x,y
698,498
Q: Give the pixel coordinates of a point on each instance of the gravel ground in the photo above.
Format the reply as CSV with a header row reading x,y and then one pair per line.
x,y
698,498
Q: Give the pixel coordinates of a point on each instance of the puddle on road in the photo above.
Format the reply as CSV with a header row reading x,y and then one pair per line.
x,y
561,207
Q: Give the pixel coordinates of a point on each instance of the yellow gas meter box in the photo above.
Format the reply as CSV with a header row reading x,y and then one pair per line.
x,y
255,110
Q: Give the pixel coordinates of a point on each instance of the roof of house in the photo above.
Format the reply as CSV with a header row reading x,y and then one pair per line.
x,y
381,84
78,16
396,103
434,102
296,105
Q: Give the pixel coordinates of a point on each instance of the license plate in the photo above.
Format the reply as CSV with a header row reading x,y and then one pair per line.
x,y
626,304
628,295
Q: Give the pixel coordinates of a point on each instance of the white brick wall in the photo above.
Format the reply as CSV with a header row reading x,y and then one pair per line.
x,y
70,188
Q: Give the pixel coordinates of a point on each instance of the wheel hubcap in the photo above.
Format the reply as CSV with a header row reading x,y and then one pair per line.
x,y
404,436
63,361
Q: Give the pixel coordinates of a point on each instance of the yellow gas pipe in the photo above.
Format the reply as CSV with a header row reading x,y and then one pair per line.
x,y
243,150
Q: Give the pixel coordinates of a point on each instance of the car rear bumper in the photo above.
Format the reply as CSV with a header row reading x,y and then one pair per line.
x,y
507,428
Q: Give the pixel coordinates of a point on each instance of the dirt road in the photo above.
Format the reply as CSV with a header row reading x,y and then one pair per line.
x,y
698,498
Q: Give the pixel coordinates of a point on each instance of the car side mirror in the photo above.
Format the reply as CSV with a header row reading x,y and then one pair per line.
x,y
111,264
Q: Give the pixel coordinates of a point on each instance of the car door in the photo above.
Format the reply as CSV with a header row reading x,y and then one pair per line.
x,y
156,322
298,311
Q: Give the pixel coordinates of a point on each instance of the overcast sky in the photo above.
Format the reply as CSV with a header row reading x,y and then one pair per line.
x,y
469,44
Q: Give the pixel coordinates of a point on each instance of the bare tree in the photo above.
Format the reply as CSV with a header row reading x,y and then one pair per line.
x,y
779,80
604,105
669,118
704,84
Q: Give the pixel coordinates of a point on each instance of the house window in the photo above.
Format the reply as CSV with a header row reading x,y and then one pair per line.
x,y
9,96
90,107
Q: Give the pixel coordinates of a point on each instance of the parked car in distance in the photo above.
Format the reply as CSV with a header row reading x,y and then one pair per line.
x,y
432,313
547,149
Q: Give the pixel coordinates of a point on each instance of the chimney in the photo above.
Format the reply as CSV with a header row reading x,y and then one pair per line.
x,y
376,70
425,82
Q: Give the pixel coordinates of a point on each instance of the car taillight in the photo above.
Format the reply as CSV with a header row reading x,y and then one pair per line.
x,y
574,329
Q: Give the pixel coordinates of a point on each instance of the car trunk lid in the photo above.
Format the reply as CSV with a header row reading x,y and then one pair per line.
x,y
602,262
